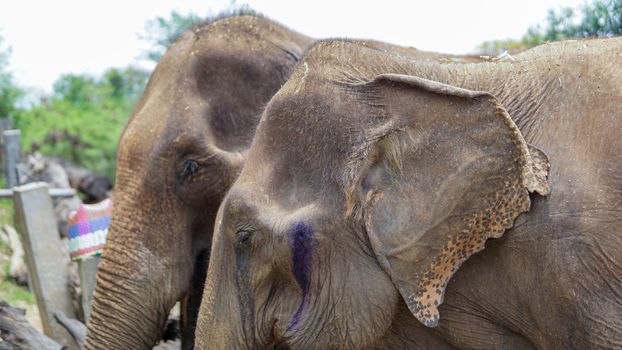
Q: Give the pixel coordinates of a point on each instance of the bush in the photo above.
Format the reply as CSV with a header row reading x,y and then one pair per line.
x,y
83,119
601,18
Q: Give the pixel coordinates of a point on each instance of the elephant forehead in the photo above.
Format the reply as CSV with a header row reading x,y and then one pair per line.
x,y
311,129
292,177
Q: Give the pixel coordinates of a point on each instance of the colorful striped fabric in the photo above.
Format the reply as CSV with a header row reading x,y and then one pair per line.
x,y
87,228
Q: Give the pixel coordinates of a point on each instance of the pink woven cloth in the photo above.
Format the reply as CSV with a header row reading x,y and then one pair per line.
x,y
87,228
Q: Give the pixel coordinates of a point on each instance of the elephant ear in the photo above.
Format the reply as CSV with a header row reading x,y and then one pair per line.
x,y
446,170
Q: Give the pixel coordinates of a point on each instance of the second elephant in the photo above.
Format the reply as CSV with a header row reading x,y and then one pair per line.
x,y
179,153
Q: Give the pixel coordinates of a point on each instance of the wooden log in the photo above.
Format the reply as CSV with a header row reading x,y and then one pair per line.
x,y
45,258
76,328
17,333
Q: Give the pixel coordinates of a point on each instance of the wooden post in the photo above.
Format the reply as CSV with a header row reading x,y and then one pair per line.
x,y
17,333
11,156
5,124
88,270
46,260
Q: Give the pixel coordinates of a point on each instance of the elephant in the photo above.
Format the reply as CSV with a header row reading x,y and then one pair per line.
x,y
374,183
178,154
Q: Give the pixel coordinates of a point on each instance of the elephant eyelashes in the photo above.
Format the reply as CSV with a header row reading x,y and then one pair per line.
x,y
190,167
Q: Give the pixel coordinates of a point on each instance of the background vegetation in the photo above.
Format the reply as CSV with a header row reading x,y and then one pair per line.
x,y
82,119
599,18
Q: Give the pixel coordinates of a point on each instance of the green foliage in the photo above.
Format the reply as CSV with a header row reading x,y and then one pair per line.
x,y
601,18
13,294
84,116
6,209
495,47
162,32
9,291
83,119
10,93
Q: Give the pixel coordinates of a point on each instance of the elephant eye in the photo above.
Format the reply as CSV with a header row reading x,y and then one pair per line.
x,y
189,167
243,236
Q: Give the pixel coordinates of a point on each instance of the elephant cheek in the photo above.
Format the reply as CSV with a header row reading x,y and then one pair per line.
x,y
247,304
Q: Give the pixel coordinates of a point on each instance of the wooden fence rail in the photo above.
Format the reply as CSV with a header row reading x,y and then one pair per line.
x,y
46,259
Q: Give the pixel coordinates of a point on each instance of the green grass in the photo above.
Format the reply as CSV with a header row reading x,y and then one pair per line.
x,y
9,290
13,294
6,212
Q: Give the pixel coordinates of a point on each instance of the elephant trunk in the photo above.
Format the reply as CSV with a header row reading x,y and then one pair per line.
x,y
135,290
223,322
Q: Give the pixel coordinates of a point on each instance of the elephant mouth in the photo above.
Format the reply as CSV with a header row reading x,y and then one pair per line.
x,y
278,346
277,341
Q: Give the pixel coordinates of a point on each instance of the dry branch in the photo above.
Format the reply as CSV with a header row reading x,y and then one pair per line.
x,y
16,333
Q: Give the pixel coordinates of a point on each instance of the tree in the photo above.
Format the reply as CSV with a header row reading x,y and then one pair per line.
x,y
10,93
161,32
84,117
601,18
75,88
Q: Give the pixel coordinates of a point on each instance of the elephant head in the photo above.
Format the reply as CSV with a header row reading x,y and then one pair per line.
x,y
364,190
178,155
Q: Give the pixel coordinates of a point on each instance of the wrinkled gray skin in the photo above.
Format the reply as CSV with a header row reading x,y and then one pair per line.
x,y
180,151
372,179
179,154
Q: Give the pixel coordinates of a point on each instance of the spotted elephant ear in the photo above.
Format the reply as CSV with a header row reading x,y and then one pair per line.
x,y
446,170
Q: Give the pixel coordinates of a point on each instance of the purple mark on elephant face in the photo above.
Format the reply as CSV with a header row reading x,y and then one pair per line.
x,y
301,240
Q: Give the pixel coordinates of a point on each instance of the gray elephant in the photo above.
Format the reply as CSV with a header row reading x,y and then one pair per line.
x,y
372,179
179,153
